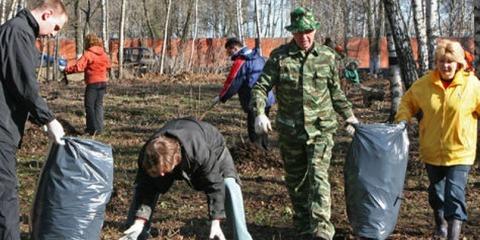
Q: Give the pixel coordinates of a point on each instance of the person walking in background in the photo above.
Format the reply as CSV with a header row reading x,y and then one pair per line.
x,y
196,152
20,98
247,67
308,93
95,63
449,98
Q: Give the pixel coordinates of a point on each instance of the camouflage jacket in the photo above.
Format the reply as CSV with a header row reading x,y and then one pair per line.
x,y
307,89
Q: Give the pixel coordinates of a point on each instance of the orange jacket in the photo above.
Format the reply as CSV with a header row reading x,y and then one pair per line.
x,y
94,62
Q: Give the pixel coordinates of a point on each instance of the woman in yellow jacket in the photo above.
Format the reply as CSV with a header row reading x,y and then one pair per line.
x,y
449,99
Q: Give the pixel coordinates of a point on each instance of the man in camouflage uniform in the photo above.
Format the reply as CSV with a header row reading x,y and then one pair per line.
x,y
305,76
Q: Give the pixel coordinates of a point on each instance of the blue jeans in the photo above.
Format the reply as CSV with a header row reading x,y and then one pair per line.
x,y
233,207
235,211
447,190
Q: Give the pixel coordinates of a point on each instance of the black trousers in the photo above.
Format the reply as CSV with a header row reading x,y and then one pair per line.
x,y
9,207
260,140
94,107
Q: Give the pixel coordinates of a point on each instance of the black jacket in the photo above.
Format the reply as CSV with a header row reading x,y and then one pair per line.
x,y
19,92
205,163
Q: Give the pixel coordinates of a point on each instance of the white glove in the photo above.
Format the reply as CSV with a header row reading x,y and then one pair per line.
x,y
215,100
403,123
262,124
134,231
55,131
350,121
61,68
216,231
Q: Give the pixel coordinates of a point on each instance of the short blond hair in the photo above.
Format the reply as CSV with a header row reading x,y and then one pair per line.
x,y
56,5
163,152
451,50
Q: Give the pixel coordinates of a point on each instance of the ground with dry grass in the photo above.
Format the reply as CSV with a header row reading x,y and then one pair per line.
x,y
135,108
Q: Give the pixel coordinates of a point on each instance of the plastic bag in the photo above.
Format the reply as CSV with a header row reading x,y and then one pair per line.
x,y
374,175
74,187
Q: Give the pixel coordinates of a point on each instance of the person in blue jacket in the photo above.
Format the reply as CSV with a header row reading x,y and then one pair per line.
x,y
247,67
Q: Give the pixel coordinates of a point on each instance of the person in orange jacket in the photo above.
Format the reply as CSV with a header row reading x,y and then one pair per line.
x,y
95,64
449,98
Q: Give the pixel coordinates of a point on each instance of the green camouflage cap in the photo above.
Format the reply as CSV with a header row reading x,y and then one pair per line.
x,y
302,20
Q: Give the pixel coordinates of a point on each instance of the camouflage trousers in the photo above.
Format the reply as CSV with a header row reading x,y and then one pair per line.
x,y
306,177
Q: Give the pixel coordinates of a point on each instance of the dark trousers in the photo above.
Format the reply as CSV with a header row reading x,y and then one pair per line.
x,y
260,140
9,207
94,107
447,190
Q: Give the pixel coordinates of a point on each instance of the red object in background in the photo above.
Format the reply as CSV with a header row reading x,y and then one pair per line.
x,y
469,59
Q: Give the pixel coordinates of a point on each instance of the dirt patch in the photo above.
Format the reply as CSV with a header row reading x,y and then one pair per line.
x,y
135,108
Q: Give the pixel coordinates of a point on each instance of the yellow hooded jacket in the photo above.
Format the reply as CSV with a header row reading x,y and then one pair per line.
x,y
448,129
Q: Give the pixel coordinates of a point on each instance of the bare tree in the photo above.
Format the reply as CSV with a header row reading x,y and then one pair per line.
x,y
433,29
402,43
477,34
165,36
374,23
3,3
105,24
396,86
257,20
239,20
420,29
122,37
147,19
78,29
194,37
13,9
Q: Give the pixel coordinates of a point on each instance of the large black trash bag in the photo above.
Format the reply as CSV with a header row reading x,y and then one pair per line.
x,y
374,175
74,187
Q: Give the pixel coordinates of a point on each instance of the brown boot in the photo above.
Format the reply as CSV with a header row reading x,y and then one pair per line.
x,y
441,225
454,229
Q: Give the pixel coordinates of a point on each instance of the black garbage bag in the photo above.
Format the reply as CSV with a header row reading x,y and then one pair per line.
x,y
374,175
74,187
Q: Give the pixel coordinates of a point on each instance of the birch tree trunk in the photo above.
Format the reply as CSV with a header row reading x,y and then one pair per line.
x,y
48,63
13,7
122,39
4,3
55,58
433,29
20,6
165,36
379,32
477,35
402,43
194,37
258,43
370,12
239,20
78,29
88,15
105,25
151,32
346,23
396,86
420,30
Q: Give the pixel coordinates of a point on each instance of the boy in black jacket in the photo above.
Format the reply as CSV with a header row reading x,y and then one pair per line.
x,y
195,152
20,98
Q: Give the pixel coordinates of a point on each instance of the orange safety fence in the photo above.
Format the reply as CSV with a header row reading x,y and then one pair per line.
x,y
210,52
